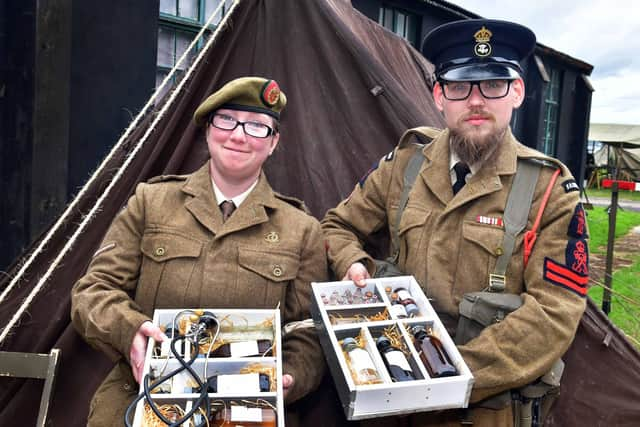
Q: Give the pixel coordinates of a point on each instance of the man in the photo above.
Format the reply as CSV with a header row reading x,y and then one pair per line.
x,y
452,228
217,238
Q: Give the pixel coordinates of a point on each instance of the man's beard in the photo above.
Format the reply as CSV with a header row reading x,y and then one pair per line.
x,y
472,147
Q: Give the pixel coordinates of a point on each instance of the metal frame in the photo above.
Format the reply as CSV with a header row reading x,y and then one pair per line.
x,y
33,365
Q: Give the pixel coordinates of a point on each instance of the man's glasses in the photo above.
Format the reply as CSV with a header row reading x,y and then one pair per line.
x,y
255,129
490,89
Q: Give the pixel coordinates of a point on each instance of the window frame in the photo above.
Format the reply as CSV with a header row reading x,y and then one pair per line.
x,y
550,120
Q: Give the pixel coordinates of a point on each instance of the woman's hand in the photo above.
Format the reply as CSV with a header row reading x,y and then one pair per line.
x,y
287,383
139,346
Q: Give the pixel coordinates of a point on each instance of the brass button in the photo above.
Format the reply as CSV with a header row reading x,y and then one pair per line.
x,y
160,251
272,237
277,271
127,387
499,251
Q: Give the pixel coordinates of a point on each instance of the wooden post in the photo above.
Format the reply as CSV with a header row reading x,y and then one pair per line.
x,y
608,283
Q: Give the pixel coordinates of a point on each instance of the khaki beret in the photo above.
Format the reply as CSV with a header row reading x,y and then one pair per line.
x,y
254,94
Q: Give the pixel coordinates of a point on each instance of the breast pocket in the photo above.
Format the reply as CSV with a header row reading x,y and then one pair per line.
x,y
481,247
412,236
265,275
167,268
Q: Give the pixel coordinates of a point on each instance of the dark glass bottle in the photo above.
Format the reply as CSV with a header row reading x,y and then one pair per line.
x,y
405,298
253,348
395,360
432,353
239,416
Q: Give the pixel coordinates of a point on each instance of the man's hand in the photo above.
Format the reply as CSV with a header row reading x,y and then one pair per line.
x,y
139,346
287,383
358,273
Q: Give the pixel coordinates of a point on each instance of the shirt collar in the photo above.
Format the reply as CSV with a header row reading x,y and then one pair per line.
x,y
237,200
453,159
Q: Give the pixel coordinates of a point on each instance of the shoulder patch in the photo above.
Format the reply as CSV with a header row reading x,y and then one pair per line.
x,y
164,178
366,175
570,185
293,201
577,256
578,223
560,275
389,156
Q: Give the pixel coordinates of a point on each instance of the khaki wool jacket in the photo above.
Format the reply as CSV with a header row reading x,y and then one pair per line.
x,y
169,248
447,245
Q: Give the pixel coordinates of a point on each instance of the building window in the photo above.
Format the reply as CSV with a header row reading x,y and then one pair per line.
x,y
400,22
551,107
180,21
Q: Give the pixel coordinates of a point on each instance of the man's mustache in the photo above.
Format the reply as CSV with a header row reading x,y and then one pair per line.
x,y
478,114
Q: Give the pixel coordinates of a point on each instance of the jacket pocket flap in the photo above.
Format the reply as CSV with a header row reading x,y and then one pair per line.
x,y
163,246
411,217
487,237
275,266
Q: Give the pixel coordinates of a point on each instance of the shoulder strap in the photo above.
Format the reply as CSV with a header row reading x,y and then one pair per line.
x,y
516,213
410,175
425,135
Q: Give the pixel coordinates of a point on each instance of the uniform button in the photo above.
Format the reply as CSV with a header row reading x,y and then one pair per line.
x,y
160,251
127,387
499,251
277,271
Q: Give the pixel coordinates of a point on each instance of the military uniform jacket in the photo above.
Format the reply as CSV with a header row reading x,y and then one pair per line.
x,y
450,247
169,248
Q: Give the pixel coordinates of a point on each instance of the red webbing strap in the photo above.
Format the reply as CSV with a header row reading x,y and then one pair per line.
x,y
531,235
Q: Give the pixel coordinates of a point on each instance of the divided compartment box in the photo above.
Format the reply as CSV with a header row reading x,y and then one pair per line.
x,y
368,321
235,325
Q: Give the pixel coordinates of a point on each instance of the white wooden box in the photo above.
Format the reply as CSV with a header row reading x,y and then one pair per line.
x,y
388,398
252,324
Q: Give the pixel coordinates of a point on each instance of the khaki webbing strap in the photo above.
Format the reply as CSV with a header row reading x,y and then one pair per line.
x,y
516,213
410,175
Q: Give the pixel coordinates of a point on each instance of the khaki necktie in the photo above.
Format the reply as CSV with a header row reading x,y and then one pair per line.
x,y
461,170
227,207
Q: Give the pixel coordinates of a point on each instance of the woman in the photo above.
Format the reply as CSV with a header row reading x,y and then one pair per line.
x,y
173,247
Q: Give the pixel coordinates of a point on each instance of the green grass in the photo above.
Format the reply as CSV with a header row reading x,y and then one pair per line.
x,y
625,299
605,193
598,221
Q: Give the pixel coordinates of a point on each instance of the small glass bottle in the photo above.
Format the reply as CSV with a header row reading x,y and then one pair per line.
x,y
397,309
432,353
238,416
395,360
405,298
363,370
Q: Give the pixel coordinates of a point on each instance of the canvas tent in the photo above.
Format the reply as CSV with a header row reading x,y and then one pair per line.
x,y
620,151
353,88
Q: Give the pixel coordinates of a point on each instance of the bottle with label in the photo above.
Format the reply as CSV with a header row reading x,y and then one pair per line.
x,y
405,298
432,353
395,360
397,309
363,370
250,348
238,416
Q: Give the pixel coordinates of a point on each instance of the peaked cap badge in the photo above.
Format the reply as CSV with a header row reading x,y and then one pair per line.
x,y
270,93
483,37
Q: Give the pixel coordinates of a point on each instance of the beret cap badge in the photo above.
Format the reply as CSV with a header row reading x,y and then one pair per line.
x,y
483,37
270,93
